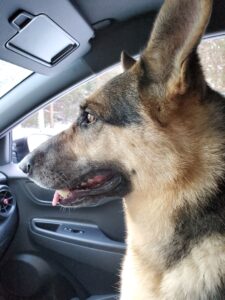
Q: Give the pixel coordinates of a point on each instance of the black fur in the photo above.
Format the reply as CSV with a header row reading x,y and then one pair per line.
x,y
122,104
193,224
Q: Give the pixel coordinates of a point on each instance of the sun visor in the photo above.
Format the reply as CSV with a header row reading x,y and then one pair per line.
x,y
44,43
40,39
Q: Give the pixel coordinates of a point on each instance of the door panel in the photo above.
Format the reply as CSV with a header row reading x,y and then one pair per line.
x,y
80,248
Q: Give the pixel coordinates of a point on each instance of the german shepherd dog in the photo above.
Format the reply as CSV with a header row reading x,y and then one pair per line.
x,y
154,134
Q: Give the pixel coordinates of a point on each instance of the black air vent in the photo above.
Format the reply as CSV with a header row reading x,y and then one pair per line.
x,y
7,202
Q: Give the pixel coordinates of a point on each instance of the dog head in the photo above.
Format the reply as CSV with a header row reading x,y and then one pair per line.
x,y
144,130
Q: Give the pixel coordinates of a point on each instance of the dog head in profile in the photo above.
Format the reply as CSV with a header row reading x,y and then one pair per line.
x,y
147,130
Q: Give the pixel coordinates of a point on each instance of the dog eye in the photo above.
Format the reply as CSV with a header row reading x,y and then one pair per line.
x,y
90,118
87,119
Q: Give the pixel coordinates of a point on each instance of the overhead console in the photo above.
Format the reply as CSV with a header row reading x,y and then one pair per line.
x,y
44,36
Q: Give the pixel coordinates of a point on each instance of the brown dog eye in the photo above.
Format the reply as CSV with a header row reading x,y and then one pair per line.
x,y
90,118
87,119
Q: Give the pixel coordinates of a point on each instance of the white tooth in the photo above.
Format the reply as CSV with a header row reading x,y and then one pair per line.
x,y
90,181
63,193
83,184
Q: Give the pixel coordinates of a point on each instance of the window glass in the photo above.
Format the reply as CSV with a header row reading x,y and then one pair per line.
x,y
212,56
10,76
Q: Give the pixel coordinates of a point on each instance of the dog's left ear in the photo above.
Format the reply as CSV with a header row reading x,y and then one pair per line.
x,y
127,61
170,58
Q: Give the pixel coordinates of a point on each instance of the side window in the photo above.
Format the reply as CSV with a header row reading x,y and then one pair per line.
x,y
55,117
212,56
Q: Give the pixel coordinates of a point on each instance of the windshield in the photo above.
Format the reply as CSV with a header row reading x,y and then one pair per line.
x,y
10,76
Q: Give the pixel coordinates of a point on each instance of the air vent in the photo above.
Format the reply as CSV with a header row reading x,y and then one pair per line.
x,y
7,203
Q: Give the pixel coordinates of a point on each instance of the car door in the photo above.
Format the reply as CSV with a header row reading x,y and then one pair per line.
x,y
55,253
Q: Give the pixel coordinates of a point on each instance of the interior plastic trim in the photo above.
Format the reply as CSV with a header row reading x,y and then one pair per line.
x,y
88,235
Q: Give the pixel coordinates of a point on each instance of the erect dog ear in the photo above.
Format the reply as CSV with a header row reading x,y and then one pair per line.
x,y
174,39
127,61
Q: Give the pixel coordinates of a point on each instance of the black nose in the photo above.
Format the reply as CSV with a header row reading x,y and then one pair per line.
x,y
25,166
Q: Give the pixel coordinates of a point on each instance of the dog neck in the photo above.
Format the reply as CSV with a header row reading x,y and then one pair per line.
x,y
162,230
149,227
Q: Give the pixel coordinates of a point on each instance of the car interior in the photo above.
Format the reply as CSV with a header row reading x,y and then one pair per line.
x,y
48,252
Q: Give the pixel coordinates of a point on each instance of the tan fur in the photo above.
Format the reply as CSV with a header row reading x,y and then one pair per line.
x,y
198,273
186,161
178,161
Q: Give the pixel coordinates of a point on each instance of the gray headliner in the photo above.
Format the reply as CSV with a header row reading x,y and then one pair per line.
x,y
116,10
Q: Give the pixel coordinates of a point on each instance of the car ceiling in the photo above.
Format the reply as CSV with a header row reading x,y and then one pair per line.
x,y
97,10
110,27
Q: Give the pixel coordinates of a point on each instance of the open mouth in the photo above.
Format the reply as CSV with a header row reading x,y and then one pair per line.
x,y
90,189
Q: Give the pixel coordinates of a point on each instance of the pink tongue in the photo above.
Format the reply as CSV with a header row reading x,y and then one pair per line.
x,y
55,199
91,184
